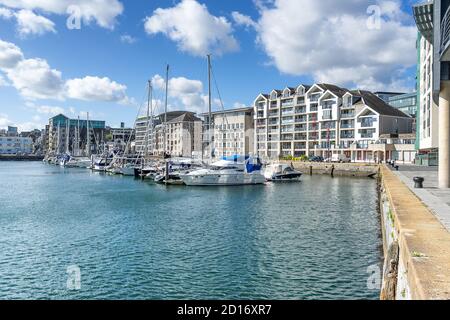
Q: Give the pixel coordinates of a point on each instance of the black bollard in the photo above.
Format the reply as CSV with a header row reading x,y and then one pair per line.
x,y
418,182
396,168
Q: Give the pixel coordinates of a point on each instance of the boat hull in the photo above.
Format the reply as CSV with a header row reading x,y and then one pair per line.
x,y
223,179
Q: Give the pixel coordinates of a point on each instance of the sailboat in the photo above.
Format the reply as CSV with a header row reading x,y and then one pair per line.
x,y
231,171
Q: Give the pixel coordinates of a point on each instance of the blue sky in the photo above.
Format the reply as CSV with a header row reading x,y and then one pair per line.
x,y
103,67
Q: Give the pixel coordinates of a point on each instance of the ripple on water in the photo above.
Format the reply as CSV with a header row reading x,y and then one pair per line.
x,y
134,240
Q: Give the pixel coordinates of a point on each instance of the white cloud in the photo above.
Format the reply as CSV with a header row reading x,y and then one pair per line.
x,y
243,20
4,120
3,82
36,80
45,109
330,40
193,28
6,13
96,89
185,94
30,23
127,39
103,12
10,55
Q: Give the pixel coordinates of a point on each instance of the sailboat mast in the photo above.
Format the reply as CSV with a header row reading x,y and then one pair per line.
x,y
58,141
88,137
165,109
209,107
67,135
148,117
78,136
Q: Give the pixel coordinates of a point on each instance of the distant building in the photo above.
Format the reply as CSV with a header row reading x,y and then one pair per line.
x,y
12,132
70,135
407,103
183,134
386,95
322,120
118,138
232,131
11,145
401,147
2,132
427,142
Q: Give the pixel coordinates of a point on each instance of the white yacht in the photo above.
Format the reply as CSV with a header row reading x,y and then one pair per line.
x,y
281,172
232,171
76,162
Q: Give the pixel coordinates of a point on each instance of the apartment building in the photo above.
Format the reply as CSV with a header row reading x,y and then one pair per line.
x,y
10,145
324,119
428,112
233,132
183,132
71,135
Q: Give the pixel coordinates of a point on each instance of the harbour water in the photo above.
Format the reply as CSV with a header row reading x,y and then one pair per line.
x,y
137,240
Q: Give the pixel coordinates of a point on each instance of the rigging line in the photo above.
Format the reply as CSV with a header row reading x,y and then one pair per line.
x,y
135,121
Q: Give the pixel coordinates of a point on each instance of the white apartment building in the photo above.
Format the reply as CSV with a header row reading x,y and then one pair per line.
x,y
183,134
16,145
233,132
428,112
322,120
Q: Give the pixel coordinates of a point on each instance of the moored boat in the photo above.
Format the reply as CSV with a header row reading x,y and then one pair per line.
x,y
281,172
233,171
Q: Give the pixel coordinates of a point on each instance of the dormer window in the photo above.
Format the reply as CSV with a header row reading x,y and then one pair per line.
x,y
273,95
286,93
301,91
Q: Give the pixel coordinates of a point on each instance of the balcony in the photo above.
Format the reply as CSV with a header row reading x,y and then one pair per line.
x,y
367,124
314,98
301,100
313,108
347,126
300,136
287,103
328,105
261,122
300,110
301,119
299,146
346,115
273,114
301,128
347,135
287,112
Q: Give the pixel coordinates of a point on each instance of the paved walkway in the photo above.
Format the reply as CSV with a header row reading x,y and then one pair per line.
x,y
437,200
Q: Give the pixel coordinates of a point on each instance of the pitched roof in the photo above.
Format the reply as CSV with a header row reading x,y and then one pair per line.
x,y
378,105
332,88
185,117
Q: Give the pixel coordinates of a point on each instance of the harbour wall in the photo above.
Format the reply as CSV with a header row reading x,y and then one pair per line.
x,y
416,245
20,158
337,169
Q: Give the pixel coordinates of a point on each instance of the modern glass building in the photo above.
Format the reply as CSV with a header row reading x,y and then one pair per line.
x,y
407,103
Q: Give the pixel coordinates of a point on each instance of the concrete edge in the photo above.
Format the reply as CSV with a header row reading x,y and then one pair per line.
x,y
423,240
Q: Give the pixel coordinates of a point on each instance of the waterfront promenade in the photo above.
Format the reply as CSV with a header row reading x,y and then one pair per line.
x,y
437,200
414,230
